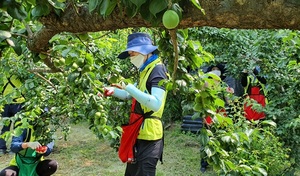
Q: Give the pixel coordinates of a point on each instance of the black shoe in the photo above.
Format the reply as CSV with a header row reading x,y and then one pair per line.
x,y
203,169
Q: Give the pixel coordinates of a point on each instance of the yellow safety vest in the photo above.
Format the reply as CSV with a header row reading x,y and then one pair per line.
x,y
10,84
30,153
152,128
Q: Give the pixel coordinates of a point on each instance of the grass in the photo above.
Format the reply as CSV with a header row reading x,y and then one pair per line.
x,y
84,154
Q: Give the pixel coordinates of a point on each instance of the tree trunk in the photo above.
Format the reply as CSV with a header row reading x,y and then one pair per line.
x,y
239,14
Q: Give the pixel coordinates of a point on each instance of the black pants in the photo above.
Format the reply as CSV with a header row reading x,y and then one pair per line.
x,y
147,155
204,163
147,167
44,168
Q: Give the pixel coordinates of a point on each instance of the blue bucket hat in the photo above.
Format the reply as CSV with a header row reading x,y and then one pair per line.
x,y
138,42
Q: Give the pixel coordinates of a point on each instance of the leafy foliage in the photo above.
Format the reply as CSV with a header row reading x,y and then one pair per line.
x,y
85,62
277,54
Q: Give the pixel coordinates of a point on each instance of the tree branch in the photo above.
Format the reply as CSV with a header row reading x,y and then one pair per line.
x,y
238,14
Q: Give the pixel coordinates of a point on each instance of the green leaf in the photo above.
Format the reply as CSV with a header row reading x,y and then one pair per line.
x,y
230,164
210,151
245,167
197,60
131,11
10,42
145,13
17,11
107,6
104,6
40,10
269,122
32,2
65,52
249,132
93,5
219,102
57,4
111,7
72,76
138,3
89,59
263,171
226,139
18,49
177,9
157,6
184,33
198,107
204,137
18,131
197,4
5,34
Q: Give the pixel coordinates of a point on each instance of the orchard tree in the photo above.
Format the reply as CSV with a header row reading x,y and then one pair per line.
x,y
65,52
91,16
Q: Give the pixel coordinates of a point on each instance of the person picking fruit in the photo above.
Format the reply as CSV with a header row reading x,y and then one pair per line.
x,y
141,144
29,157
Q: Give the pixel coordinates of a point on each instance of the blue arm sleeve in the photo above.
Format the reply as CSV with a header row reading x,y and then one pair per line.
x,y
153,101
16,143
49,149
122,94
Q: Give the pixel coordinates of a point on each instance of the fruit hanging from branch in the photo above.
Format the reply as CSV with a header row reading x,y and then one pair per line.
x,y
170,19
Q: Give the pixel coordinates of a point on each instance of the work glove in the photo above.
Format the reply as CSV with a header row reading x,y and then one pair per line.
x,y
33,145
108,91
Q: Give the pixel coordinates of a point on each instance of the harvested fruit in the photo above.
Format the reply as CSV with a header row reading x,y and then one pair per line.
x,y
41,149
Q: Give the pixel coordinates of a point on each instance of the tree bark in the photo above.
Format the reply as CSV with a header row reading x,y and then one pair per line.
x,y
238,14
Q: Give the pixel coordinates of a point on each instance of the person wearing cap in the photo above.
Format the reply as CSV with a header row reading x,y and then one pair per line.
x,y
29,158
219,70
148,101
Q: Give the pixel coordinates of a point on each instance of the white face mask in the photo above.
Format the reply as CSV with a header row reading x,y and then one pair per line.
x,y
216,72
137,60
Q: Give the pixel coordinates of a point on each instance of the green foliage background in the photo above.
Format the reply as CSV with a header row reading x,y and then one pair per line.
x,y
86,62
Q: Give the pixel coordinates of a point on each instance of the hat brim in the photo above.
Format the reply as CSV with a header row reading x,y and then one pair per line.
x,y
143,49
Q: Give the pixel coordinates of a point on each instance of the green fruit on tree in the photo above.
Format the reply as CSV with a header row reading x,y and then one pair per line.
x,y
87,68
42,56
98,114
83,36
103,120
170,19
80,62
97,122
56,63
74,66
62,61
